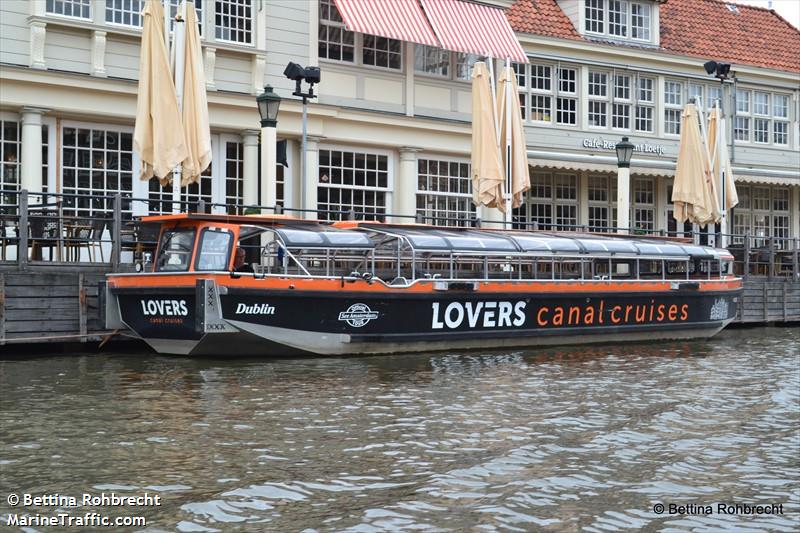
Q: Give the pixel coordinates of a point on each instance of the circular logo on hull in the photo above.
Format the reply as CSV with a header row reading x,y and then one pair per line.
x,y
358,315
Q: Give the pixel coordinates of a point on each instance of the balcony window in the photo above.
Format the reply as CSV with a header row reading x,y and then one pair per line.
x,y
234,21
70,8
337,44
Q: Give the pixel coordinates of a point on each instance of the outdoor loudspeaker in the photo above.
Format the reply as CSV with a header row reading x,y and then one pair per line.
x,y
312,75
293,71
710,66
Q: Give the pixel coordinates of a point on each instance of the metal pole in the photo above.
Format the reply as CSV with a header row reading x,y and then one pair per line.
x,y
303,170
179,51
509,177
22,230
116,233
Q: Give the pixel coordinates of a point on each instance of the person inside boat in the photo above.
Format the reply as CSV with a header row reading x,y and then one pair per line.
x,y
239,263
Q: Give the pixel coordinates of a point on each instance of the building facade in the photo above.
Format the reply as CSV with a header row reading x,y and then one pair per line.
x,y
390,131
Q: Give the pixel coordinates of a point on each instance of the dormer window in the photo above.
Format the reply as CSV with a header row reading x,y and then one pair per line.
x,y
619,19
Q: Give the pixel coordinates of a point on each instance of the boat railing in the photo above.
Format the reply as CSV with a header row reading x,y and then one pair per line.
x,y
105,230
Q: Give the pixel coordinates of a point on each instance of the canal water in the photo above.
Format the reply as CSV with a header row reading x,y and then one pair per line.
x,y
561,439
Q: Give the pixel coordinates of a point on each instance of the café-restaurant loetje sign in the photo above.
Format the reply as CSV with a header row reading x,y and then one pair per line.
x,y
603,144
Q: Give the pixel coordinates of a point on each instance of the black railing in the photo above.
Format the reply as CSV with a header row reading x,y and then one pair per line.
x,y
81,229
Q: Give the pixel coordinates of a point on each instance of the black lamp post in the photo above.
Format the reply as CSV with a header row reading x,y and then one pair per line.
x,y
624,153
268,105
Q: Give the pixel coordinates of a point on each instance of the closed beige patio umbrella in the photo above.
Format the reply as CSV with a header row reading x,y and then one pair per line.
x,y
487,172
720,158
195,104
508,110
158,136
693,191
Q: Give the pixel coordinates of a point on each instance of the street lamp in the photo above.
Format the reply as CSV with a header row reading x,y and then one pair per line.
x,y
624,152
721,71
268,105
311,75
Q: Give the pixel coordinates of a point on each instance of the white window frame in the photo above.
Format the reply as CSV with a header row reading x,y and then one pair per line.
x,y
139,188
622,101
454,62
79,3
673,107
388,190
358,44
626,24
599,99
551,203
645,104
446,217
252,18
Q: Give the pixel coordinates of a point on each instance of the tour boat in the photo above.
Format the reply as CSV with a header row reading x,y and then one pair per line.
x,y
341,288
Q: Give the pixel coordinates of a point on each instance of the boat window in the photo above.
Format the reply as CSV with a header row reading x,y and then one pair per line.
x,y
215,249
175,250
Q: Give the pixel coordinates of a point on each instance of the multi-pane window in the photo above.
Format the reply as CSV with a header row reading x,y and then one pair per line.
x,y
762,212
714,96
464,64
644,105
173,11
551,202
432,60
356,181
545,90
602,202
640,21
234,176
234,21
567,101
334,41
70,8
160,198
761,117
595,16
618,18
382,52
598,99
621,108
644,204
95,161
697,92
673,103
444,192
10,149
780,123
125,12
625,19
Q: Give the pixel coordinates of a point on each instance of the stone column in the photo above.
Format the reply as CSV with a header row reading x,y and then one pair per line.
x,y
405,186
269,137
308,192
250,167
31,157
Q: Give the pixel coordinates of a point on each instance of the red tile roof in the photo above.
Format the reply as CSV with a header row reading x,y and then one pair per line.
x,y
745,35
541,17
706,29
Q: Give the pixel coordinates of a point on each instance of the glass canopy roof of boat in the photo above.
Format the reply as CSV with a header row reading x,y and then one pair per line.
x,y
475,240
318,236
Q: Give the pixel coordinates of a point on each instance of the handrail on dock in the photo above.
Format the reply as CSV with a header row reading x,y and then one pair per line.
x,y
100,229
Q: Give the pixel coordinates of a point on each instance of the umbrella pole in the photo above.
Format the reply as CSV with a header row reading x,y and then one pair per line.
x,y
509,182
179,44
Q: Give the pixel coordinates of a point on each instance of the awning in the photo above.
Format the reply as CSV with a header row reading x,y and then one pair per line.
x,y
398,19
766,180
473,29
636,170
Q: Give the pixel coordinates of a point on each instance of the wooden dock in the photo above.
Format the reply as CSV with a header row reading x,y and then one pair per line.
x,y
51,303
60,303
